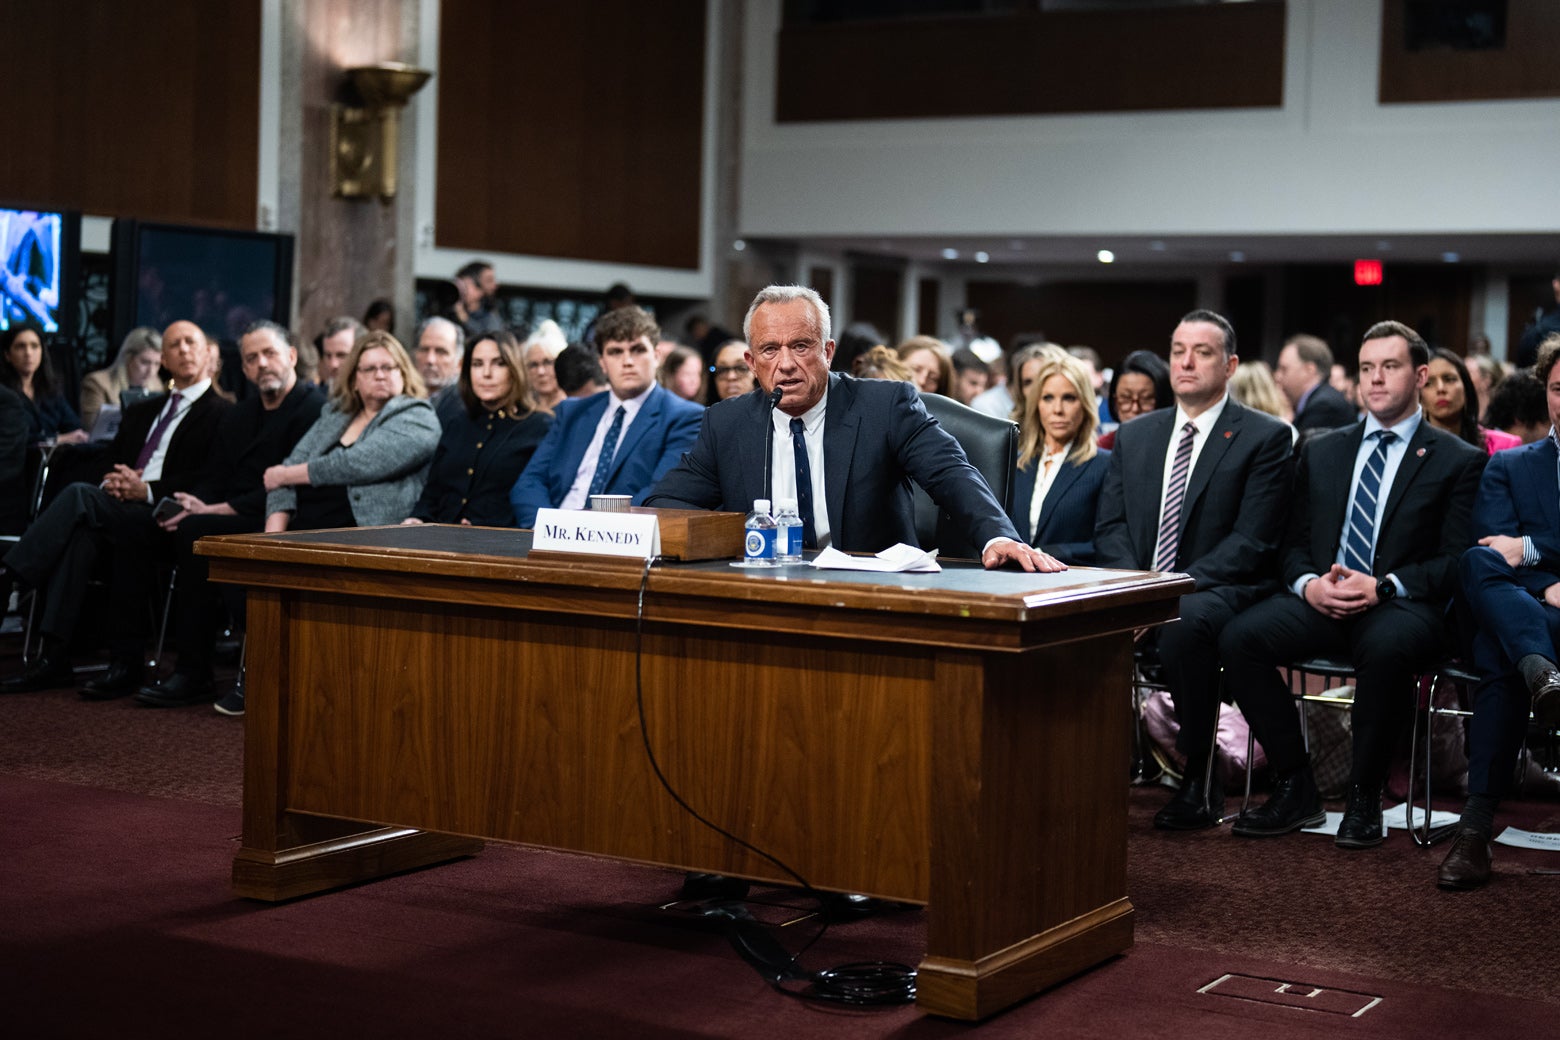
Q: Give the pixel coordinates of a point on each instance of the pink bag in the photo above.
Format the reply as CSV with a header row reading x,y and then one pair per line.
x,y
1229,752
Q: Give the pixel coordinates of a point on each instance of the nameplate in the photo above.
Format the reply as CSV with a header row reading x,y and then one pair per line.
x,y
599,534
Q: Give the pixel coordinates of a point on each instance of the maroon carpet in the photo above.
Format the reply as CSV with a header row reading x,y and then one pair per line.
x,y
115,919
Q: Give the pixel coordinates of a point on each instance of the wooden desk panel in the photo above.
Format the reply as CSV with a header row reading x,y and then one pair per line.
x,y
954,739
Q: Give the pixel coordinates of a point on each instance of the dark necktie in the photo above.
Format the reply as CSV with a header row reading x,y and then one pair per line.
x,y
154,438
804,503
1170,527
1357,546
598,483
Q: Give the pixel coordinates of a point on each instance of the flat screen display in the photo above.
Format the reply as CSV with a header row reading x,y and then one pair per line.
x,y
37,279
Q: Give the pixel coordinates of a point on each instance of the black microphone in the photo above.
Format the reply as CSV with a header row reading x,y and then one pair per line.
x,y
771,402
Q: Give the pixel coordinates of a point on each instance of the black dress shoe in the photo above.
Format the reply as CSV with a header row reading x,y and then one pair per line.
x,y
45,673
123,678
1294,804
1188,810
1361,826
177,691
1546,698
1467,862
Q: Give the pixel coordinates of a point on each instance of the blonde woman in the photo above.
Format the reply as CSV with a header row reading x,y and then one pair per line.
x,y
1060,469
1253,386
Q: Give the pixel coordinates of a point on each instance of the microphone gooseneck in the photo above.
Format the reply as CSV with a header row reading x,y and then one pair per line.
x,y
771,403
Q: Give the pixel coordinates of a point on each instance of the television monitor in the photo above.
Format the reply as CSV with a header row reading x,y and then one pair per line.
x,y
39,257
221,280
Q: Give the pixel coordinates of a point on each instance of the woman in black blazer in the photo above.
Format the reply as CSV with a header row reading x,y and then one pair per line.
x,y
487,443
1060,469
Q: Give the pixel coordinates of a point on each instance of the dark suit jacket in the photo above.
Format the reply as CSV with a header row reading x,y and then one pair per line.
x,y
1518,496
877,436
13,461
184,463
1326,409
664,428
1066,528
476,465
249,441
1232,516
1426,524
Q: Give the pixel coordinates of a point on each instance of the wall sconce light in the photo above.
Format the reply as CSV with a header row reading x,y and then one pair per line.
x,y
363,140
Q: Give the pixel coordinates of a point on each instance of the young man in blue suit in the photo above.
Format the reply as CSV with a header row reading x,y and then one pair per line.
x,y
618,442
1381,514
844,448
1511,581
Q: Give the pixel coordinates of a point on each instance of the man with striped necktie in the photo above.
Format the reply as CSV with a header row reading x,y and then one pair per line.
x,y
1382,511
1201,489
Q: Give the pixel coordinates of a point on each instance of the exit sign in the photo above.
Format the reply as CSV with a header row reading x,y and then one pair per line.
x,y
1367,272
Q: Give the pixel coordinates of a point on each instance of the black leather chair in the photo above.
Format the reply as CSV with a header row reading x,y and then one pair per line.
x,y
992,446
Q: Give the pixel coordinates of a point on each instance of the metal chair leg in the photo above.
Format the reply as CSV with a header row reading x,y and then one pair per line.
x,y
162,631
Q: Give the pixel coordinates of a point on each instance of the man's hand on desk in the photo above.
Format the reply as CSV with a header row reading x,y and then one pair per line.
x,y
1005,550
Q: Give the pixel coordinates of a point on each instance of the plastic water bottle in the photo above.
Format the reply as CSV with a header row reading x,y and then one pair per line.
x,y
758,540
788,532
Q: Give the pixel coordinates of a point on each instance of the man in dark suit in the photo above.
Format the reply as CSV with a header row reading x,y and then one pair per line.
x,y
256,433
162,447
1200,489
843,448
617,442
1380,516
1303,370
1511,582
13,466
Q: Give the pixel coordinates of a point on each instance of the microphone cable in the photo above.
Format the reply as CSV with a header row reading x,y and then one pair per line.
x,y
859,983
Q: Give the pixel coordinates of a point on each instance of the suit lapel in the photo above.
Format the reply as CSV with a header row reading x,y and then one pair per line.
x,y
1420,451
1220,439
1066,477
840,427
1336,480
590,414
649,415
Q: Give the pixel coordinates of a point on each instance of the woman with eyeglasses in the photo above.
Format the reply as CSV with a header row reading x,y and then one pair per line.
x,y
1141,385
733,378
540,349
364,461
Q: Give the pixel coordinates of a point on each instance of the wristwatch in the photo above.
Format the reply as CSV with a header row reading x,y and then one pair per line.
x,y
1385,590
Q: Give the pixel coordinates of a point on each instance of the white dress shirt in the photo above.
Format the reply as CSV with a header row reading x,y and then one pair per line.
x,y
187,398
783,462
579,491
1204,423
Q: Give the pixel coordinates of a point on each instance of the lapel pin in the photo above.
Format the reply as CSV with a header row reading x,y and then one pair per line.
x,y
1228,434
1420,453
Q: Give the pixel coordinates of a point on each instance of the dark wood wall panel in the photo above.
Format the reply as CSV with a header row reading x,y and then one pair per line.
x,y
1524,67
875,298
128,109
1434,300
572,130
1115,318
1224,56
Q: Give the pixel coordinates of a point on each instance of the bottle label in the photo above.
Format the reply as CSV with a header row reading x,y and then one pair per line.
x,y
759,543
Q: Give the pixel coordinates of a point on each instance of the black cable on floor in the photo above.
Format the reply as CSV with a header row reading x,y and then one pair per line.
x,y
861,983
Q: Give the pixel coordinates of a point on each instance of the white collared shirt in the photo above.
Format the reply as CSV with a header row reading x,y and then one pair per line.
x,y
187,398
783,462
1205,424
579,491
1050,464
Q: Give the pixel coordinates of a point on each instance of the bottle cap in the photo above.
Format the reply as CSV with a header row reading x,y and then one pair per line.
x,y
786,504
760,505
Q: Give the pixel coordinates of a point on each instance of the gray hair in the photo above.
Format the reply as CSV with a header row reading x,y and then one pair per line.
x,y
785,294
283,336
455,330
342,324
546,335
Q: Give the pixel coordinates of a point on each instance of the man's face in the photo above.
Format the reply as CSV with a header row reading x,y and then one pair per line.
x,y
185,353
1389,380
969,384
1199,367
786,350
1552,393
629,364
333,351
268,363
1292,375
437,359
1340,380
487,282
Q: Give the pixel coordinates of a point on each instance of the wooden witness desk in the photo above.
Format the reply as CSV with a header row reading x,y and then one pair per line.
x,y
956,739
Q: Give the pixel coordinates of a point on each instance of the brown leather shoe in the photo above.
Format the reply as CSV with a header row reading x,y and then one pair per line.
x,y
1467,862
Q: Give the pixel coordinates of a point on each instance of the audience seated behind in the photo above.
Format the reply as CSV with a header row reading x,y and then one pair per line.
x,y
1451,404
162,447
540,351
487,443
1140,384
617,442
881,363
1215,516
1252,385
733,377
682,372
578,370
25,367
364,461
1304,374
1059,470
440,345
134,367
1510,584
1520,407
334,344
927,359
971,376
1380,514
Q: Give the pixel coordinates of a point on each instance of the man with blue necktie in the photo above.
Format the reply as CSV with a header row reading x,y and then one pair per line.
x,y
845,449
1511,582
617,442
1381,513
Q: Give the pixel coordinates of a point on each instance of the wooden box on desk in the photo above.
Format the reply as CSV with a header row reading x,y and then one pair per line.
x,y
694,534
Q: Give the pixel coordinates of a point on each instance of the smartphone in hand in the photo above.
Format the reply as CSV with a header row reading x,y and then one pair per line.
x,y
166,509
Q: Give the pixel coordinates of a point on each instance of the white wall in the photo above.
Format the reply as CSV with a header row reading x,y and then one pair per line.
x,y
1331,160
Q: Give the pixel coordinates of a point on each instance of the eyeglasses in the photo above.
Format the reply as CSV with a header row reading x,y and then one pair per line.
x,y
376,370
1144,402
537,366
730,370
